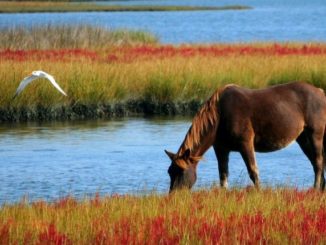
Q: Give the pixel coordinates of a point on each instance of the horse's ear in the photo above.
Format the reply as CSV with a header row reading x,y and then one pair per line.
x,y
170,155
186,154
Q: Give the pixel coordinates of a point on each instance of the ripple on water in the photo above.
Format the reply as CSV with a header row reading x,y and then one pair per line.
x,y
48,163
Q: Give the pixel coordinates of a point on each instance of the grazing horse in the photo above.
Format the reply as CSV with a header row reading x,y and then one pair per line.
x,y
245,120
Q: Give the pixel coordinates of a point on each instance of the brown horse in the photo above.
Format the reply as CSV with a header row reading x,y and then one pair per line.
x,y
262,120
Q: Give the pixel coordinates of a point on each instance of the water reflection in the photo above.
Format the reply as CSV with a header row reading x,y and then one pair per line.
x,y
51,160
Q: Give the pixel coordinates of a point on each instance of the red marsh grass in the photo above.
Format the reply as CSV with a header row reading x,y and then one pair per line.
x,y
215,216
130,53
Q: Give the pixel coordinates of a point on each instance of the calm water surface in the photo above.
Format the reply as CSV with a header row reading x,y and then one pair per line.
x,y
53,160
280,20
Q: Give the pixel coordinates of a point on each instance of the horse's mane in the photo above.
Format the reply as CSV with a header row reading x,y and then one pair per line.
x,y
206,119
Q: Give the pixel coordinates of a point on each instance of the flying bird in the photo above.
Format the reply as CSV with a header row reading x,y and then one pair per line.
x,y
32,77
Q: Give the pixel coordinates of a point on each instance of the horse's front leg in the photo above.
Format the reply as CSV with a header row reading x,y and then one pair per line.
x,y
248,154
222,156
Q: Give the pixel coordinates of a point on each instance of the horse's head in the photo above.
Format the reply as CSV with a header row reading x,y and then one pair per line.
x,y
182,170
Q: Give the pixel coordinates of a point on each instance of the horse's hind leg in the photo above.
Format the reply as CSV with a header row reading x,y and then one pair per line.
x,y
324,163
323,184
222,156
311,143
323,181
317,139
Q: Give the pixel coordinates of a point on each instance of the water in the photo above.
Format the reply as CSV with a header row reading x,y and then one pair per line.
x,y
288,20
52,160
49,161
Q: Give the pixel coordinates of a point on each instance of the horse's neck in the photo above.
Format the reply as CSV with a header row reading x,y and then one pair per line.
x,y
202,132
198,145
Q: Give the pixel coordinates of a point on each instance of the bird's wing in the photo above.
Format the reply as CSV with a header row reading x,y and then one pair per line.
x,y
24,83
51,79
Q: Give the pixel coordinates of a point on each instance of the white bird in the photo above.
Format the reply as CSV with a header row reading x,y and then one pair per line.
x,y
32,77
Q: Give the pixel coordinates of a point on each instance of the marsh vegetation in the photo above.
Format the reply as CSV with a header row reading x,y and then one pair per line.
x,y
67,6
246,216
120,73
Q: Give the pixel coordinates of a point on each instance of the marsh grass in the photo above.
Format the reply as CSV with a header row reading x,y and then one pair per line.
x,y
168,80
65,6
236,216
70,37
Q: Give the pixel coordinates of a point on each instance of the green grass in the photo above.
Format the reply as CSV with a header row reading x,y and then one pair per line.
x,y
70,37
42,6
144,79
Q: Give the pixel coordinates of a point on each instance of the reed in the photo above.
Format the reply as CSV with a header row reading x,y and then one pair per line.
x,y
214,216
70,37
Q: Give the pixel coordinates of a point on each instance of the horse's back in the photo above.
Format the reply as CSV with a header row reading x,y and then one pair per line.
x,y
275,115
307,99
298,97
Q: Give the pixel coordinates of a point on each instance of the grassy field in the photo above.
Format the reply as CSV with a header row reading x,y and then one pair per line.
x,y
215,216
149,75
97,76
107,73
57,6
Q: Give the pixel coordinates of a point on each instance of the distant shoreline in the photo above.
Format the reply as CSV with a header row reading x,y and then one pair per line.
x,y
40,7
